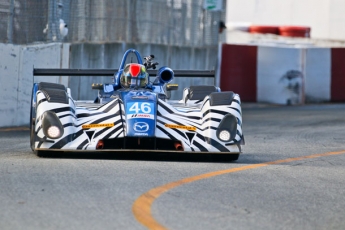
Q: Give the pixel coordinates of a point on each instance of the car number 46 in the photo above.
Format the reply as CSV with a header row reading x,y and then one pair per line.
x,y
140,107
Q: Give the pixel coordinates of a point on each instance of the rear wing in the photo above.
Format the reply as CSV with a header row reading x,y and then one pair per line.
x,y
111,72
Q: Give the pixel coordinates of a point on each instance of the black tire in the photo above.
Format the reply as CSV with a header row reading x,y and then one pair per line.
x,y
32,134
225,157
41,153
52,154
32,124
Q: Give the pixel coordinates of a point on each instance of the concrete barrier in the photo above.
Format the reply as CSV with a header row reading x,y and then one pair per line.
x,y
18,61
318,75
337,74
16,77
283,75
274,85
238,66
257,73
85,55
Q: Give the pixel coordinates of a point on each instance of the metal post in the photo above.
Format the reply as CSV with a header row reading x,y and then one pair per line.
x,y
10,23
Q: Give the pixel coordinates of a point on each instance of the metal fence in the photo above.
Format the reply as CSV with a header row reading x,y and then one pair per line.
x,y
167,22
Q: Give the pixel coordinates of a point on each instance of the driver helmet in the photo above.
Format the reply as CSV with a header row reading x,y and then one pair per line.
x,y
134,76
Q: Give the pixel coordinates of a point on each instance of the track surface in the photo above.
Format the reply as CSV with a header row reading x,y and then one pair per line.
x,y
105,192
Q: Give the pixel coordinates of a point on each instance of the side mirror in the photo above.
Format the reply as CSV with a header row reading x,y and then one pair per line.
x,y
98,86
170,87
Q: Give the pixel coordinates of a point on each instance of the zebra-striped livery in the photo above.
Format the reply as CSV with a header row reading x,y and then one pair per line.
x,y
136,117
195,129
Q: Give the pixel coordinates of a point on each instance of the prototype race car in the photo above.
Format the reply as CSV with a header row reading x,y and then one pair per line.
x,y
135,114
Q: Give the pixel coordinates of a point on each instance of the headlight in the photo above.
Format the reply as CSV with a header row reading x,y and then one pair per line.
x,y
227,128
53,132
224,135
51,125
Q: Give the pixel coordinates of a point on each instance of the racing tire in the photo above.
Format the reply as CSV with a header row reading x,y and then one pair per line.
x,y
52,154
41,153
225,157
32,124
32,132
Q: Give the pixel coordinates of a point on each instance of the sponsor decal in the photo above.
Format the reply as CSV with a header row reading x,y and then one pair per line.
x,y
140,97
141,127
141,134
89,126
140,115
192,128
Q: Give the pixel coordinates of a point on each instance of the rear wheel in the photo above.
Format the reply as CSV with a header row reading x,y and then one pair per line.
x,y
32,133
43,153
32,121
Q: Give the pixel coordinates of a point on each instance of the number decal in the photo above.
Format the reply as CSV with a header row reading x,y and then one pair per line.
x,y
134,108
145,107
140,107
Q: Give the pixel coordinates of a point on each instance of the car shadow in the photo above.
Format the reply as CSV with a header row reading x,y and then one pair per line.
x,y
138,156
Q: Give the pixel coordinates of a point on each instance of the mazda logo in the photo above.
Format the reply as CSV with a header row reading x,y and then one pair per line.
x,y
141,126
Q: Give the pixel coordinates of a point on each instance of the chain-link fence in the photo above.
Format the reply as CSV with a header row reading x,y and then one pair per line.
x,y
168,22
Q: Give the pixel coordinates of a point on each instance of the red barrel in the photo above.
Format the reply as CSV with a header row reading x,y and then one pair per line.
x,y
294,31
264,29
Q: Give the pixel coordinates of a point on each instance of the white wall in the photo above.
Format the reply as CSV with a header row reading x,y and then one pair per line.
x,y
16,78
272,64
318,74
325,17
9,84
17,63
314,64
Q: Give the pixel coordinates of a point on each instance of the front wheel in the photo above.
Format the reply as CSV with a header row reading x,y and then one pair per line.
x,y
225,157
32,134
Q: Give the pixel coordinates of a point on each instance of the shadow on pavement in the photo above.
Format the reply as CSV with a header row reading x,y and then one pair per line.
x,y
138,156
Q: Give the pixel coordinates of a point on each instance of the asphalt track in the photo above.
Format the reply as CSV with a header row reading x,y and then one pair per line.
x,y
290,176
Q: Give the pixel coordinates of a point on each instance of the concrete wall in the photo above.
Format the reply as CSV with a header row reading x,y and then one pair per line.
x,y
273,63
16,77
318,74
17,64
257,73
283,75
86,55
325,17
337,74
238,70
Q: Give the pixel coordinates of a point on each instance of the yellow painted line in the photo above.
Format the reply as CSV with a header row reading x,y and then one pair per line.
x,y
142,206
14,129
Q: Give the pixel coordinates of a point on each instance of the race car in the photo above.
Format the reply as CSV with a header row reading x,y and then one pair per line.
x,y
133,113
